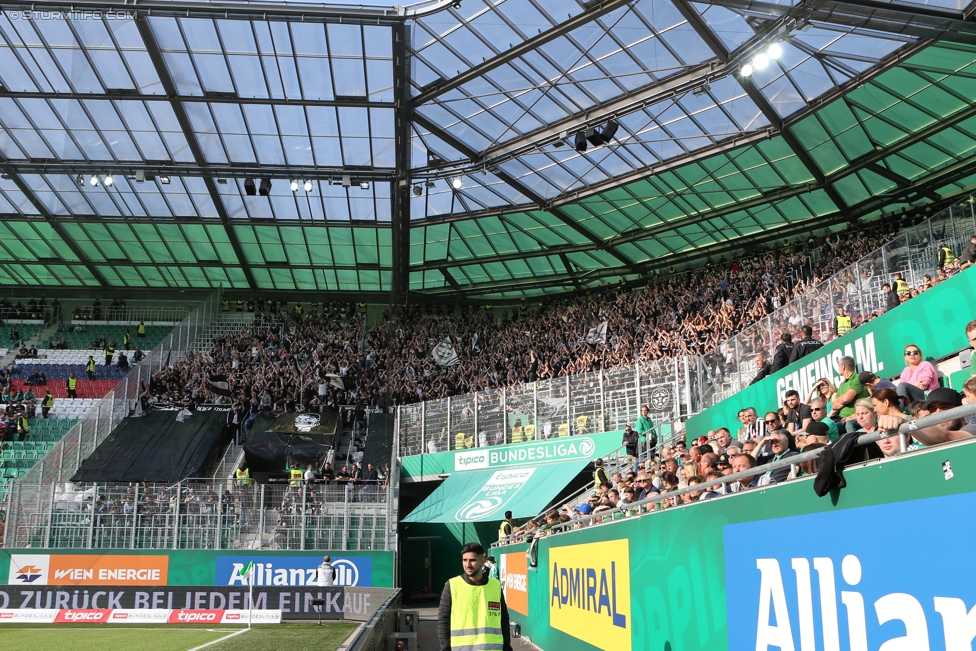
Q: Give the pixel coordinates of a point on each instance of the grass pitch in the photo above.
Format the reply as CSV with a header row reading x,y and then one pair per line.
x,y
268,637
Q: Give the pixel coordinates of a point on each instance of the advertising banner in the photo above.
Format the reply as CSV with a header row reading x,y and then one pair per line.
x,y
87,569
294,570
32,567
772,569
935,322
134,603
514,575
148,616
589,587
554,450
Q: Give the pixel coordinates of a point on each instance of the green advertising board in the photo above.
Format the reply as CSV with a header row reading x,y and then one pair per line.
x,y
767,569
188,567
426,467
935,321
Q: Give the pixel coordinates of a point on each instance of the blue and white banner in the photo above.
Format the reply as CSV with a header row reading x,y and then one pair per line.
x,y
855,580
293,570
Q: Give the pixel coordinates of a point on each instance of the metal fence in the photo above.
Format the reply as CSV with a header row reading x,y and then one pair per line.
x,y
133,314
674,388
206,514
31,494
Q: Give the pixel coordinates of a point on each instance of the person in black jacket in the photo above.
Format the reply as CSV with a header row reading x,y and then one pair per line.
x,y
968,252
891,297
806,345
781,356
763,369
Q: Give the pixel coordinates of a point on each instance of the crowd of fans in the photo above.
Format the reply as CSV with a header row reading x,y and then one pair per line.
x,y
318,356
863,403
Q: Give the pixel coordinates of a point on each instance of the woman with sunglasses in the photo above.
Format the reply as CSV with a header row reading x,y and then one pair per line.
x,y
918,377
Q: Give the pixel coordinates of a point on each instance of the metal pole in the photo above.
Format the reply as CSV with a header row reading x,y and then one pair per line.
x,y
260,506
423,427
569,418
304,493
504,416
603,405
345,519
218,538
450,432
135,516
535,409
687,382
50,516
91,523
477,437
176,519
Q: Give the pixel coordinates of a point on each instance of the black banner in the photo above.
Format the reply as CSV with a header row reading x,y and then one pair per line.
x,y
293,602
307,423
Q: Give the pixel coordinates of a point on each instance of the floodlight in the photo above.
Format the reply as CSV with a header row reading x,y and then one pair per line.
x,y
80,180
164,180
774,51
456,183
746,70
265,188
417,190
293,184
109,180
94,179
364,185
760,61
308,186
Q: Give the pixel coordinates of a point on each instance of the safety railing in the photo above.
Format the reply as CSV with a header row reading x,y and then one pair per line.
x,y
130,314
64,459
652,504
206,514
675,388
912,256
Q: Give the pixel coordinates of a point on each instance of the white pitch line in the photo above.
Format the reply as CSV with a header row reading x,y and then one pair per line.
x,y
220,639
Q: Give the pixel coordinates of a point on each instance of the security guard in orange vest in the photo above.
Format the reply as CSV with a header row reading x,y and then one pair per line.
x,y
472,613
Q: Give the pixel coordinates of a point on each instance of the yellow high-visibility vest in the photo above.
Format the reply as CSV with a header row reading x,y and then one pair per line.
x,y
844,325
296,477
459,441
581,422
530,432
476,615
517,435
243,477
563,429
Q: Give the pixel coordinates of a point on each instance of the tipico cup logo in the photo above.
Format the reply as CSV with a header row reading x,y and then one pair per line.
x,y
500,488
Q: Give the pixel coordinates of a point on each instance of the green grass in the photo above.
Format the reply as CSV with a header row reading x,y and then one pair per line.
x,y
288,637
270,637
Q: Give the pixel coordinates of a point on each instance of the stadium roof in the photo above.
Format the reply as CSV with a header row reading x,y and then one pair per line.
x,y
439,140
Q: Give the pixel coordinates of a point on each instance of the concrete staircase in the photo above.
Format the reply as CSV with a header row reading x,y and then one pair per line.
x,y
41,336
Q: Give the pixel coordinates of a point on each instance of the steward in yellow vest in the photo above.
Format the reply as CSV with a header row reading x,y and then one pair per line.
x,y
581,424
472,614
243,475
530,432
296,476
459,441
141,330
563,429
517,432
842,323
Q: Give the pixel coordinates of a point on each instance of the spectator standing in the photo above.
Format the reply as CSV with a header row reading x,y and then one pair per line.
x,y
630,441
645,426
891,297
781,356
968,254
806,345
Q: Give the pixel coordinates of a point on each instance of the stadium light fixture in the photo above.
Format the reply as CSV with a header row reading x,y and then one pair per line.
x,y
293,184
109,180
94,179
80,180
760,61
265,188
364,185
430,185
456,183
249,188
164,180
417,190
774,51
308,186
746,70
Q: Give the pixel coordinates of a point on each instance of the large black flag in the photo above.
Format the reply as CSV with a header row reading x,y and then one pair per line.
x,y
306,423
